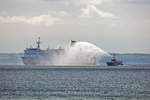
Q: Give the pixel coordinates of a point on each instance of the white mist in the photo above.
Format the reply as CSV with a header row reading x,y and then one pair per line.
x,y
81,53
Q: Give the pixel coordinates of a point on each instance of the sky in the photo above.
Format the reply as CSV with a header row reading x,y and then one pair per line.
x,y
114,25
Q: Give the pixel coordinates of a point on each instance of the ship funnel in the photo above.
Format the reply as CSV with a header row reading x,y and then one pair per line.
x,y
72,43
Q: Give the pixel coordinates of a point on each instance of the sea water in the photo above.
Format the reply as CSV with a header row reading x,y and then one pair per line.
x,y
129,82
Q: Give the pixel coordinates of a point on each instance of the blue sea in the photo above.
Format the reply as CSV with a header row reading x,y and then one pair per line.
x,y
20,82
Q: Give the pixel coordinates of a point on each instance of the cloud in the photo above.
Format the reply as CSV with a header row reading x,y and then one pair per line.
x,y
45,20
91,8
87,7
135,1
93,2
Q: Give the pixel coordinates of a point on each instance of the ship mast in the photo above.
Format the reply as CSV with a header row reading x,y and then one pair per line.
x,y
38,43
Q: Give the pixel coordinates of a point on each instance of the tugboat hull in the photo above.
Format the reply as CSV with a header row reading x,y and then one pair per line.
x,y
114,63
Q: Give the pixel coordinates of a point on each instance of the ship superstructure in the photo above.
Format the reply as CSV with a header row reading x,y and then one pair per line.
x,y
37,56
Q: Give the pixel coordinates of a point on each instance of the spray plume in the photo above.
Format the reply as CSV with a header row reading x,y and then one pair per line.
x,y
81,53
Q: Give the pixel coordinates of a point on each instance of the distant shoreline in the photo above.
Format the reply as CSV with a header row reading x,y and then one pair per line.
x,y
108,52
76,66
127,58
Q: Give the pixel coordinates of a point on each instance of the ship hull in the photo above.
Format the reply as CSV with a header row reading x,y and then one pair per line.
x,y
29,61
35,61
114,63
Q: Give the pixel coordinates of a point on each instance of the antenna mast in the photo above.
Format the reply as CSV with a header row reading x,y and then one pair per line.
x,y
38,43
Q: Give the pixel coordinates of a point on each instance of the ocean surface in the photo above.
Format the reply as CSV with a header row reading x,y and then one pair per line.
x,y
128,82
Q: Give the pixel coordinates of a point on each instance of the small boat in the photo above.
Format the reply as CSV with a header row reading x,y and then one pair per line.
x,y
114,62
